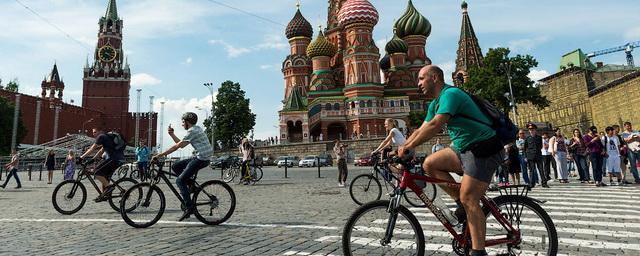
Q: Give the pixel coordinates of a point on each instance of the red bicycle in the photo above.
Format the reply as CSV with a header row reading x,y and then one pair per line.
x,y
516,225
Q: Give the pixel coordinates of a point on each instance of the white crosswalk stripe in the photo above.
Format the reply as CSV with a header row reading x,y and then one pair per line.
x,y
588,220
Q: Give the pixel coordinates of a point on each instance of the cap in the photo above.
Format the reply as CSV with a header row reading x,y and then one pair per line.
x,y
532,126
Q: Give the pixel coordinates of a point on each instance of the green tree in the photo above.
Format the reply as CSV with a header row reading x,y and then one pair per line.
x,y
12,86
416,118
491,80
1,86
233,117
7,110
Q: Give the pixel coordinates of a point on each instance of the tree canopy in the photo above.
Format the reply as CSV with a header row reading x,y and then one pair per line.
x,y
491,80
7,110
233,117
12,86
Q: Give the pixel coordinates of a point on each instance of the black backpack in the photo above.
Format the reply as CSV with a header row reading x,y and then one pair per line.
x,y
505,129
119,144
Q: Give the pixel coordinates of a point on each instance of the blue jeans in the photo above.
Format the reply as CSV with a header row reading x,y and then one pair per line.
x,y
523,168
581,165
186,169
596,165
633,158
13,172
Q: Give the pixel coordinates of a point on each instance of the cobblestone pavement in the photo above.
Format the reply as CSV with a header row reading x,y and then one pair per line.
x,y
299,215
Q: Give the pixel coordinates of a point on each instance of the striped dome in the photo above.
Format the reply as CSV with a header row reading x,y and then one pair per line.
x,y
298,26
396,45
321,47
412,23
357,11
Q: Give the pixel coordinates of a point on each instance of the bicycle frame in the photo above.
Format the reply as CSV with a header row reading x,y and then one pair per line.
x,y
408,181
84,175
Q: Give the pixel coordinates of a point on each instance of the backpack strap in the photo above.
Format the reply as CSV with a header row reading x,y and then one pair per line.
x,y
467,116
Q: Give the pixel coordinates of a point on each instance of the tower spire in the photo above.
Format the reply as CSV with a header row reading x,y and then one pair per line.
x,y
469,51
112,11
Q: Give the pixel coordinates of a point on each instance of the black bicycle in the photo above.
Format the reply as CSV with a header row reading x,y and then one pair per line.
x,y
142,175
70,195
367,187
145,202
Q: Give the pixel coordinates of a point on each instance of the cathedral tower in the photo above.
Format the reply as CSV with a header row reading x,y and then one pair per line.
x,y
297,66
414,29
469,53
52,87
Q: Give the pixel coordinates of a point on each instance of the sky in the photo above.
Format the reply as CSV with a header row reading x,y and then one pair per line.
x,y
175,46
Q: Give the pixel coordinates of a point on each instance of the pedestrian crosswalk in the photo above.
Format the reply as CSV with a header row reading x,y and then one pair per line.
x,y
589,220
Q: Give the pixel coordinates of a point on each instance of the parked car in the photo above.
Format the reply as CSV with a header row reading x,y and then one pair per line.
x,y
267,160
227,160
326,160
309,161
364,160
290,160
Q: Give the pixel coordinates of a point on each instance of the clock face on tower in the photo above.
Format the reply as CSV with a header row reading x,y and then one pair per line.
x,y
107,53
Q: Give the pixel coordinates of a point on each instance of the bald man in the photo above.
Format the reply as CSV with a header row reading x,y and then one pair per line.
x,y
475,154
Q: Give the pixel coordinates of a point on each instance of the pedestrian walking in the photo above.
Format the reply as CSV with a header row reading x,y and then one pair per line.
x,y
69,166
623,153
12,167
578,148
596,154
612,149
558,149
339,150
547,158
533,153
633,149
522,160
50,163
142,155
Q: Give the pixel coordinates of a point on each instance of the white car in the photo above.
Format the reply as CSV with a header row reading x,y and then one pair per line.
x,y
309,161
291,161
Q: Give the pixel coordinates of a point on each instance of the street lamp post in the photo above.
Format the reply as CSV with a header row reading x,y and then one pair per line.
x,y
213,115
512,97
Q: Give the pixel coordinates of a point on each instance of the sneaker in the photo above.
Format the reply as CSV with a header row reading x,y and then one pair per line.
x,y
545,186
340,185
598,184
19,186
602,184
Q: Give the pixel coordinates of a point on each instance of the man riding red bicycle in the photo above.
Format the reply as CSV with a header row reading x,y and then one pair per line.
x,y
476,150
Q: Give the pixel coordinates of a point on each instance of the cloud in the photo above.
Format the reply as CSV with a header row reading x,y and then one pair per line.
x,y
267,66
188,61
527,44
448,68
232,51
272,42
144,79
536,75
632,34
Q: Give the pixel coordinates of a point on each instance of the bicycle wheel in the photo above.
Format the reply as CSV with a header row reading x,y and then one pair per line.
x,y
215,202
144,204
256,172
537,231
228,174
365,188
120,186
134,174
415,201
69,197
365,231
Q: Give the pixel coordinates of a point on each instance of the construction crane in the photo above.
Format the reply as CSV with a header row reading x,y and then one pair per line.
x,y
627,48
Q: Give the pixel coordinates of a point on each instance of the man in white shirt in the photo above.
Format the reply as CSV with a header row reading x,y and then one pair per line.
x,y
633,149
612,147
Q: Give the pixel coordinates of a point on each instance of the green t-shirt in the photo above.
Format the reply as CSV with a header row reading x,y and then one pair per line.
x,y
463,131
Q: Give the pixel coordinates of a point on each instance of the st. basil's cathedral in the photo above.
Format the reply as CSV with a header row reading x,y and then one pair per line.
x,y
338,86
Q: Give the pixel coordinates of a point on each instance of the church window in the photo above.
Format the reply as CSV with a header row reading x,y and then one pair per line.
x,y
327,106
369,103
392,103
336,106
402,103
363,104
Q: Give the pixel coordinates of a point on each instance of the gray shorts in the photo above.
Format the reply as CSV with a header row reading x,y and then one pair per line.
x,y
480,168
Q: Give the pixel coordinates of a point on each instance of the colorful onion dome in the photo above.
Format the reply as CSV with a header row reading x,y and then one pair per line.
x,y
412,23
321,47
385,62
357,11
396,45
298,26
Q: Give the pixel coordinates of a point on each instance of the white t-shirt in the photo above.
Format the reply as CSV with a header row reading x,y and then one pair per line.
x,y
613,145
545,152
397,139
633,146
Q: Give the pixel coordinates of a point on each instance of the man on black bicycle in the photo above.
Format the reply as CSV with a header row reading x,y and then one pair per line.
x,y
476,150
114,158
187,168
248,154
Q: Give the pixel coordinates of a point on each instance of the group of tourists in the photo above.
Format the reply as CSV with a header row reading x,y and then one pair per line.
x,y
589,157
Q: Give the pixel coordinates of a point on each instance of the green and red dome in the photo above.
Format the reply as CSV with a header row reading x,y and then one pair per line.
x,y
412,23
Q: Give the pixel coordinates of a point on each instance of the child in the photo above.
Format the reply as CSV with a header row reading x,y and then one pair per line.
x,y
70,166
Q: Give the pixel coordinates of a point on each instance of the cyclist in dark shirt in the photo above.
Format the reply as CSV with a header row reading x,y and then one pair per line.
x,y
108,165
